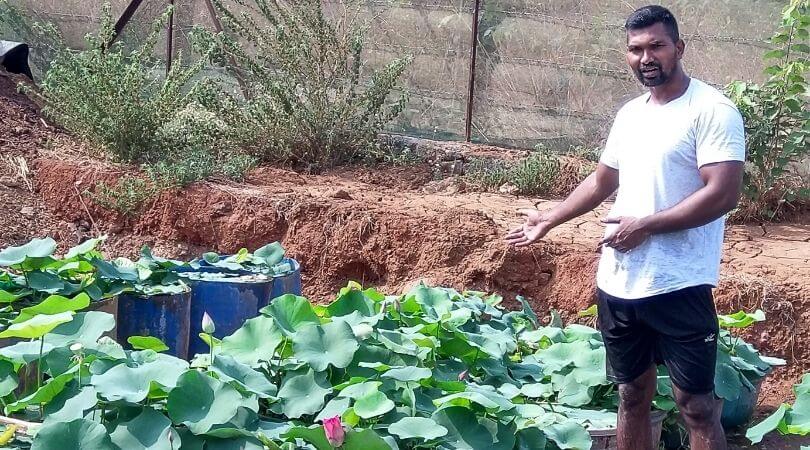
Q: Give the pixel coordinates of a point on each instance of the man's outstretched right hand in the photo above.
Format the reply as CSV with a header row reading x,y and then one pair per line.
x,y
535,226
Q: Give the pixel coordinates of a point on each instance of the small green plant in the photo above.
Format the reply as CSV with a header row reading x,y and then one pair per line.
x,y
126,196
536,174
307,103
777,121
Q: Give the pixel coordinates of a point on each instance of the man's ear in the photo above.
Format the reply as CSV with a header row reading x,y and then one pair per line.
x,y
680,46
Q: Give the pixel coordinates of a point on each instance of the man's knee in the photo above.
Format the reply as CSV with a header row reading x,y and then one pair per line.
x,y
698,410
634,396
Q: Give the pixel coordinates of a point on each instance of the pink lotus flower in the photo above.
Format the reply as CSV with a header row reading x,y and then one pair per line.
x,y
334,431
463,375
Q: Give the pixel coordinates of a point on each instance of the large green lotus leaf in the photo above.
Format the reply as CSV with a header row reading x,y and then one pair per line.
x,y
147,343
569,435
80,434
349,301
528,311
456,318
410,373
291,312
372,405
314,435
530,439
85,247
434,302
491,401
596,419
149,430
397,342
561,355
47,282
757,432
797,420
228,369
8,378
360,389
537,390
323,345
115,272
544,334
727,383
240,443
9,297
243,424
24,352
303,394
572,393
495,343
740,319
37,248
44,394
589,367
132,382
417,428
271,254
577,332
365,439
257,340
335,407
71,403
37,326
201,402
463,430
54,304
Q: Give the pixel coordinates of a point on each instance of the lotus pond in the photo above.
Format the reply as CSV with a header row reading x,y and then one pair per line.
x,y
432,368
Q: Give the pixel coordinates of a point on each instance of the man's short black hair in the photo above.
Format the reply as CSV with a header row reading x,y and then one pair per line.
x,y
650,15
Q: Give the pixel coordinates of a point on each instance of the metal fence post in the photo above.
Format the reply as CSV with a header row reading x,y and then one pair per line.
x,y
170,38
473,57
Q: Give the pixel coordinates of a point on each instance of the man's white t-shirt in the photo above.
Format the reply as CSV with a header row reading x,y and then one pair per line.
x,y
658,150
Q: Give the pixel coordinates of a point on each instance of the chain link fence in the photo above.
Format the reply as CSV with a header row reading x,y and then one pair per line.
x,y
548,72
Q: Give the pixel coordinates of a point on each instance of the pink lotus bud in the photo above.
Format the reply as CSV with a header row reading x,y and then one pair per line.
x,y
208,324
334,431
463,375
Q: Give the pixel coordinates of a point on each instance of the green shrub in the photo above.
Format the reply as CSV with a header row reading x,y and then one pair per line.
x,y
777,121
306,103
126,196
117,99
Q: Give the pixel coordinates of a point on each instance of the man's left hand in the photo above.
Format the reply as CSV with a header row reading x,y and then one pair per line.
x,y
630,233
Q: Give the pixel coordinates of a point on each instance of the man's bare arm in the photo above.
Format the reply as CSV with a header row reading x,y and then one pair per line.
x,y
594,190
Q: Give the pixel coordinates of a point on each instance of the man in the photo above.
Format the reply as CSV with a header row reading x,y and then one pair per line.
x,y
676,155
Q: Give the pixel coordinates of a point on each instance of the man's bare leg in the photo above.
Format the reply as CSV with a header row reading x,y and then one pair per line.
x,y
701,413
635,399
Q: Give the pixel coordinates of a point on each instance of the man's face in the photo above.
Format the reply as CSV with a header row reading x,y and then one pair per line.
x,y
653,55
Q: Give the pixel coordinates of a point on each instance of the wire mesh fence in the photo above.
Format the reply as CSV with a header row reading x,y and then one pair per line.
x,y
548,72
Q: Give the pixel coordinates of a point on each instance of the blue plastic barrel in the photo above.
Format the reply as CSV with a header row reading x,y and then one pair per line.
x,y
165,316
737,413
234,298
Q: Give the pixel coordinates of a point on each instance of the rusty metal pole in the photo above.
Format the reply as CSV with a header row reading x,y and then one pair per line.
x,y
213,13
126,16
170,38
473,57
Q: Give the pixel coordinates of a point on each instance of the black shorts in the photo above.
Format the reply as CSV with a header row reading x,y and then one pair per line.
x,y
678,329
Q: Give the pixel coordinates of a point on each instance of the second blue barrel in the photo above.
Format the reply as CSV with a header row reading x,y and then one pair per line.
x,y
164,316
232,298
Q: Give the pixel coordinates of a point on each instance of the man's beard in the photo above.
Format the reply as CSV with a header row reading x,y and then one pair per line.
x,y
658,79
